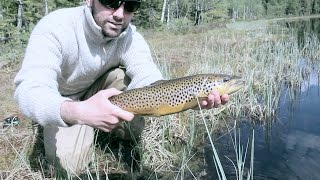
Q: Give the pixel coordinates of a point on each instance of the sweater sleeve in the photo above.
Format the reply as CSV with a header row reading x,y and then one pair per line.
x,y
36,83
139,63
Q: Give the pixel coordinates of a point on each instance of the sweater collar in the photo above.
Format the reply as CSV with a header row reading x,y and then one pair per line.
x,y
94,32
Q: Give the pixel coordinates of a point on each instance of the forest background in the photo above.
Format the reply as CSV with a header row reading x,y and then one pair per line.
x,y
18,17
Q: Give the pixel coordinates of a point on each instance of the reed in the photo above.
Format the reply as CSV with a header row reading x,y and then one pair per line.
x,y
241,154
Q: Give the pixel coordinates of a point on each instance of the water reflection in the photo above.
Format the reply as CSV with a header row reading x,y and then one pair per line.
x,y
290,148
294,148
287,148
304,27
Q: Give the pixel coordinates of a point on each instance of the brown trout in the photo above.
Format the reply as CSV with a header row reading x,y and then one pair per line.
x,y
175,95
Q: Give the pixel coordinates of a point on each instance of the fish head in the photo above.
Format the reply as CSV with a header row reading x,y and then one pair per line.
x,y
224,84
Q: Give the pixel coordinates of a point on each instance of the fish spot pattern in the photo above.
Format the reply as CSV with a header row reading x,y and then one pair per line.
x,y
169,96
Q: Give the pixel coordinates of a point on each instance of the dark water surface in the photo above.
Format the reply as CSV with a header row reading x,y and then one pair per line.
x,y
287,148
292,149
304,27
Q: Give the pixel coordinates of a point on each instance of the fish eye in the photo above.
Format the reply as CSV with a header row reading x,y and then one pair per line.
x,y
226,79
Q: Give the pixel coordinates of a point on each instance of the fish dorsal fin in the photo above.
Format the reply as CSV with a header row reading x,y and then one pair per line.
x,y
158,82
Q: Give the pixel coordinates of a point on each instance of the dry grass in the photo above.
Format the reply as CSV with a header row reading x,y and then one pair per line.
x,y
8,107
14,141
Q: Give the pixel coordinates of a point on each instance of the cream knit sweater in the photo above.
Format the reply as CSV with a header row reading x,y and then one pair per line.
x,y
66,53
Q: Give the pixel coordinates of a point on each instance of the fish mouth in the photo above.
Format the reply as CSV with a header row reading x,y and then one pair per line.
x,y
230,87
239,82
235,85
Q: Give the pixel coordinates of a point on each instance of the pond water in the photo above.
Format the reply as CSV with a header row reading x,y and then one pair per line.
x,y
289,146
292,150
304,27
287,149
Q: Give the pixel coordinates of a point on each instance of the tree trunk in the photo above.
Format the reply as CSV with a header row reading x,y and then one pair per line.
x,y
1,11
163,10
46,7
244,12
168,13
177,9
19,15
197,12
234,15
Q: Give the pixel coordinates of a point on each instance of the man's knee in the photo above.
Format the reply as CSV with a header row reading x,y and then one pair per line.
x,y
69,148
115,78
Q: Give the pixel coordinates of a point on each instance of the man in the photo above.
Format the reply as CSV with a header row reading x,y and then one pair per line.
x,y
71,68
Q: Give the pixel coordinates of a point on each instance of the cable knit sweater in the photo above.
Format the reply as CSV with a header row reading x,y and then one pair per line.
x,y
66,53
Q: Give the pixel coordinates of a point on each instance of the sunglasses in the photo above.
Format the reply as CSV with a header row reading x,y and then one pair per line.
x,y
129,6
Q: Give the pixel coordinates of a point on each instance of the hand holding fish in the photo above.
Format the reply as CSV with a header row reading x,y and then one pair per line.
x,y
108,107
214,100
97,111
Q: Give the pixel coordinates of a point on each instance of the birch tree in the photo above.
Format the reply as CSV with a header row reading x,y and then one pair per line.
x,y
1,12
168,12
163,10
46,7
19,15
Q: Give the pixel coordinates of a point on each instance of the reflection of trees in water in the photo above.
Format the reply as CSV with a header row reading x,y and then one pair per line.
x,y
287,147
305,27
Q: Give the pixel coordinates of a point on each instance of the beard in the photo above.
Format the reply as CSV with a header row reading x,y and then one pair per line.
x,y
109,25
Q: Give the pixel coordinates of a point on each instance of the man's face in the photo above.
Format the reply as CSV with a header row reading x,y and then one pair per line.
x,y
112,21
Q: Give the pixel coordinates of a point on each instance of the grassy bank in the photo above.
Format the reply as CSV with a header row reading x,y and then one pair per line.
x,y
269,60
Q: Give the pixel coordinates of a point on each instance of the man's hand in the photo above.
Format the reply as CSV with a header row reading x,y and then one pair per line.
x,y
214,100
97,111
